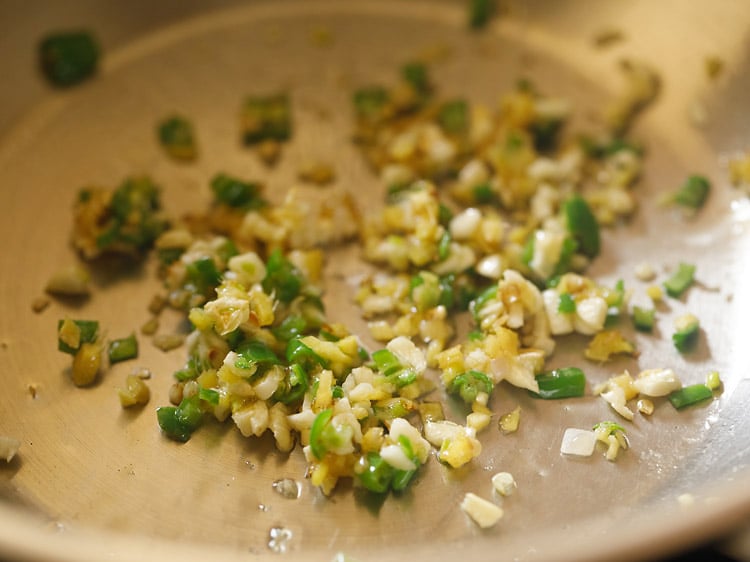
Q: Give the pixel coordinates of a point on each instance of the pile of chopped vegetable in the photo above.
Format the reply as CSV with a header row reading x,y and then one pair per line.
x,y
491,214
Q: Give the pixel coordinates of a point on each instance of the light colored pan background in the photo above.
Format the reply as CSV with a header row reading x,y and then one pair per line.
x,y
92,482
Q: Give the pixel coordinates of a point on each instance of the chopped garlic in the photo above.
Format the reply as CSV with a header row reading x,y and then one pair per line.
x,y
657,382
8,447
483,512
644,271
70,281
504,483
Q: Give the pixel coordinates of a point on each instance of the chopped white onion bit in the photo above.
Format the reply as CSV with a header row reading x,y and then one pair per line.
x,y
504,483
578,442
484,513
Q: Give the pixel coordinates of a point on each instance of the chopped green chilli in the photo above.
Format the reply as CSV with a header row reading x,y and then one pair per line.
x,y
480,13
567,304
417,76
582,225
253,354
68,58
179,423
370,103
689,395
123,349
209,395
693,193
561,383
453,117
388,364
88,329
298,352
680,280
282,277
237,193
177,138
468,385
644,318
687,330
266,118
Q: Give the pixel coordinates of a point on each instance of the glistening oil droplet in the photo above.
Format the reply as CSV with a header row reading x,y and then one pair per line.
x,y
278,539
288,488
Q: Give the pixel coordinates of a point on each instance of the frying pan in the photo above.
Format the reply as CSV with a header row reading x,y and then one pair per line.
x,y
94,482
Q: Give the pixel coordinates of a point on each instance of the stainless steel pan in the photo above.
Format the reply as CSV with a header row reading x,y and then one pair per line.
x,y
93,482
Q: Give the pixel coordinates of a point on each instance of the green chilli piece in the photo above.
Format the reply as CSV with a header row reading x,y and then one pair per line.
x,y
177,138
444,246
445,215
227,250
133,221
370,103
282,277
601,149
203,275
299,353
693,193
316,433
392,408
545,133
291,327
483,194
689,395
266,118
401,478
453,117
89,332
294,385
569,382
566,304
168,256
389,365
417,76
179,423
582,225
610,427
123,349
377,475
237,193
425,290
480,13
255,353
569,248
475,335
680,280
209,395
68,58
191,370
686,336
644,318
615,300
324,436
469,384
475,306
